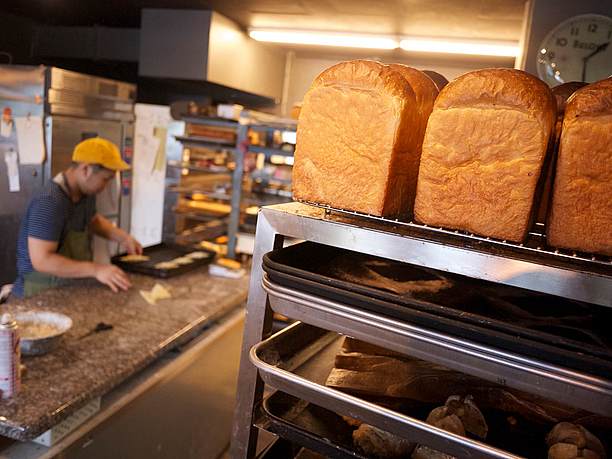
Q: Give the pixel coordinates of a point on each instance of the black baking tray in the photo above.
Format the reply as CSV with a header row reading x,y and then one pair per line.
x,y
326,433
560,331
164,252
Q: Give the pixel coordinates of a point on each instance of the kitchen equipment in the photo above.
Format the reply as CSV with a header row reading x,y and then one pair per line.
x,y
530,267
165,253
41,331
562,331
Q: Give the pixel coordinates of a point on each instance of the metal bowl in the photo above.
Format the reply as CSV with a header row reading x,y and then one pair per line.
x,y
41,331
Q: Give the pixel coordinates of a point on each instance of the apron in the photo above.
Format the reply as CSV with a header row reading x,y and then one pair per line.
x,y
75,245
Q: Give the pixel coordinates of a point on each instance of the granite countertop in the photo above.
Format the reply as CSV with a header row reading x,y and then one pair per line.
x,y
57,384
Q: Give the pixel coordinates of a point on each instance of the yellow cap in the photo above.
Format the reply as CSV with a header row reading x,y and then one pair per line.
x,y
99,151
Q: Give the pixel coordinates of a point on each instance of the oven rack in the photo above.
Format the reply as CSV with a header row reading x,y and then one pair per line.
x,y
578,278
534,245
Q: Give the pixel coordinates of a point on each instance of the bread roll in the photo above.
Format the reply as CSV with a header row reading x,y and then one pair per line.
x,y
358,139
581,211
483,153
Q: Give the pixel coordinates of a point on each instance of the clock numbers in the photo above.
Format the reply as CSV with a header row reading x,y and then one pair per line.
x,y
577,49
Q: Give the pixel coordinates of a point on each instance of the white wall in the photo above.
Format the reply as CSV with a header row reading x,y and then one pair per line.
x,y
306,67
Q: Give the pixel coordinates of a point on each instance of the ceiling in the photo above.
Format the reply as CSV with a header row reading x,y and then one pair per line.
x,y
490,19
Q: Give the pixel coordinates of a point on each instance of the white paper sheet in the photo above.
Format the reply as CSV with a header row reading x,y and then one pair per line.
x,y
151,132
30,139
12,170
6,128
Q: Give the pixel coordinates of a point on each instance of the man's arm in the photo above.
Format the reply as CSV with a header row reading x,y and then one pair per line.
x,y
45,259
104,228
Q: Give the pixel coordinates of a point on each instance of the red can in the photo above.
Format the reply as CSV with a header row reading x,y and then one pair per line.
x,y
10,356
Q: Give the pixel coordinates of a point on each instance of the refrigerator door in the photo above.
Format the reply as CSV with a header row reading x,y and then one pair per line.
x,y
21,94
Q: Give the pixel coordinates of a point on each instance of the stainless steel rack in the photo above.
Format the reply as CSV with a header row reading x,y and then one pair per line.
x,y
533,268
238,149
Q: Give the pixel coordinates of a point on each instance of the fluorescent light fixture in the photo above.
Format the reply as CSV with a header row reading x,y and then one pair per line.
x,y
452,46
306,37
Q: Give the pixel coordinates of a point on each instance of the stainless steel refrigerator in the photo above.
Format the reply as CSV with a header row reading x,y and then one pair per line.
x,y
72,107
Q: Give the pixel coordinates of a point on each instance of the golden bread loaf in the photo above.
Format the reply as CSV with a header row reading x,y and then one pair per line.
x,y
359,137
483,152
581,211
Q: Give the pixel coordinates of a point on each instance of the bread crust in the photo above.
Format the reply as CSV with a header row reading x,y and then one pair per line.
x,y
484,148
581,211
357,146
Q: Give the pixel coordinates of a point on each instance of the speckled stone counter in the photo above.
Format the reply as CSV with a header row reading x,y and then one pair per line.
x,y
57,384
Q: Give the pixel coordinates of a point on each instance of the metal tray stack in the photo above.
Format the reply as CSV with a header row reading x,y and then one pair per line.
x,y
577,278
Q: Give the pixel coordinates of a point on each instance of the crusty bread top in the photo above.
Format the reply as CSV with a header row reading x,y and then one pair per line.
x,y
502,87
365,74
424,88
592,100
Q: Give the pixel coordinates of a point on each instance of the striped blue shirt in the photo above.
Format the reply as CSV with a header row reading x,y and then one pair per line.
x,y
49,217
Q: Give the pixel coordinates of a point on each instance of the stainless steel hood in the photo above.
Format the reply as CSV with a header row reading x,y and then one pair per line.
x,y
201,45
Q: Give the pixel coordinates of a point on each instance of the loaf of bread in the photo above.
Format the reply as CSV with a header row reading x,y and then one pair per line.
x,y
581,212
359,137
483,153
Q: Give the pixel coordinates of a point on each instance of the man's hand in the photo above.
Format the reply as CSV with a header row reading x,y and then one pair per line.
x,y
104,228
131,245
113,277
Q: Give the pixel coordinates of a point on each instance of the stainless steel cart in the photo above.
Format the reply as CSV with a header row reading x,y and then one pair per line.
x,y
530,266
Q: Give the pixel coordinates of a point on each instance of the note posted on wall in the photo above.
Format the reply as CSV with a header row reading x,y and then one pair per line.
x,y
30,139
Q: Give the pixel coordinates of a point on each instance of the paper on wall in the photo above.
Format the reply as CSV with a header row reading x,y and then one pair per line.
x,y
30,139
12,170
6,128
160,134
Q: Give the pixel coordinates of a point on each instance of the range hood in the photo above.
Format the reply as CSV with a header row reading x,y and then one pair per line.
x,y
201,45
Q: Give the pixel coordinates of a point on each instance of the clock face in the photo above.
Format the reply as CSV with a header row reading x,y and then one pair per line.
x,y
578,49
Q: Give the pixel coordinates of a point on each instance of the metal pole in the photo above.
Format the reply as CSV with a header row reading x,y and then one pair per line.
x,y
234,220
257,326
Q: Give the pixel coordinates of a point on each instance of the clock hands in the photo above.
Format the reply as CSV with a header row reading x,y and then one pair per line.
x,y
585,59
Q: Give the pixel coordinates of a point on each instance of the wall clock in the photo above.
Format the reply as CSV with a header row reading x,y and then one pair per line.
x,y
578,49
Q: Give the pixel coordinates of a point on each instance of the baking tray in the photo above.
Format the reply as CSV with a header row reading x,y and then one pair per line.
x,y
326,433
275,357
308,425
560,331
164,252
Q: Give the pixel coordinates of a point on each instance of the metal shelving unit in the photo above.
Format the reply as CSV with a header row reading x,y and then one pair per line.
x,y
239,149
531,266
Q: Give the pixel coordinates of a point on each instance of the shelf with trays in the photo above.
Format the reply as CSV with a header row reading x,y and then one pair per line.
x,y
238,148
269,151
205,142
537,268
195,168
297,360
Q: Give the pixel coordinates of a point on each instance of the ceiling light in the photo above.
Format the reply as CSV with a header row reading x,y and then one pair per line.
x,y
305,37
480,48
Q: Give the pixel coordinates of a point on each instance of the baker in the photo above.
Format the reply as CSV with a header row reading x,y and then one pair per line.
x,y
54,241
